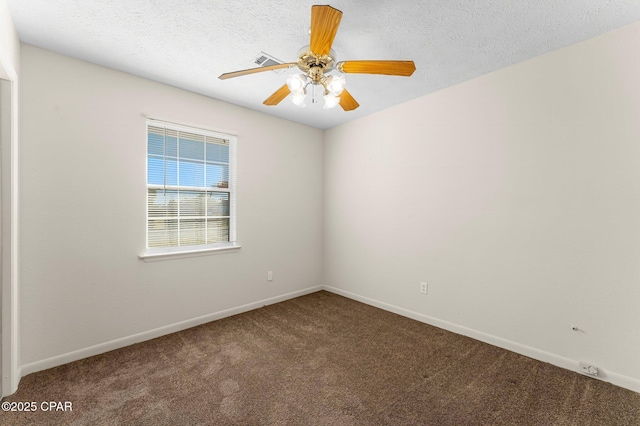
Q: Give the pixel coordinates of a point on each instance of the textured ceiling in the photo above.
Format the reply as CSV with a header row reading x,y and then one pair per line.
x,y
189,43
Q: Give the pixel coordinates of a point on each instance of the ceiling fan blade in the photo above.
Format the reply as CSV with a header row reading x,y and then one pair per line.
x,y
347,102
277,96
403,68
325,21
255,70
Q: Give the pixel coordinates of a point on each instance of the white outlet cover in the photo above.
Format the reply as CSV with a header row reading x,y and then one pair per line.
x,y
589,369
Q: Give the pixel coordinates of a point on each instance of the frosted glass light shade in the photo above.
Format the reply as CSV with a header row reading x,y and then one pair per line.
x,y
298,98
296,82
335,84
330,101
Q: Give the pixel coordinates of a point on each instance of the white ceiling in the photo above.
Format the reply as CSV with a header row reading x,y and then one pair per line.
x,y
189,43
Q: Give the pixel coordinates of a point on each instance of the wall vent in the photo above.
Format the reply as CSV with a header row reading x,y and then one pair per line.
x,y
265,60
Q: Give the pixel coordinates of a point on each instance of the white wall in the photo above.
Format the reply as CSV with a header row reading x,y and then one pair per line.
x,y
83,192
515,195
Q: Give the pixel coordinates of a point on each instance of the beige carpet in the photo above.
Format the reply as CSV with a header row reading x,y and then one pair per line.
x,y
320,359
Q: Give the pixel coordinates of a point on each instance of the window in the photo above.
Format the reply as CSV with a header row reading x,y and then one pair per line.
x,y
190,189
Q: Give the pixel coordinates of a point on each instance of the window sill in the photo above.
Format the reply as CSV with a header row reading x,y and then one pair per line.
x,y
153,256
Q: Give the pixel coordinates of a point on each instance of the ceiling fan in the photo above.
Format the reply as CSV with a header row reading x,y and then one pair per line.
x,y
317,60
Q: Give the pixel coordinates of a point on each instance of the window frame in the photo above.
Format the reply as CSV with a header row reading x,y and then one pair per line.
x,y
159,253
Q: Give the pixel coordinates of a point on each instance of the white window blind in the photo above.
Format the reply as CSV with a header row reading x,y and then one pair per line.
x,y
190,187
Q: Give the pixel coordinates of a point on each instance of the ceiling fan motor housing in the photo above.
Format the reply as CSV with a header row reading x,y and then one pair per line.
x,y
315,65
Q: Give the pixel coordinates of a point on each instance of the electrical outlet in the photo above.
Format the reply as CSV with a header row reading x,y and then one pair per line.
x,y
588,369
424,288
269,275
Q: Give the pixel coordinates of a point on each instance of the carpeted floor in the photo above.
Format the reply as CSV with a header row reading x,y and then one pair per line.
x,y
319,359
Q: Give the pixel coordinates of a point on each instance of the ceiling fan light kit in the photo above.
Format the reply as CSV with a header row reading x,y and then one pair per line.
x,y
333,86
317,60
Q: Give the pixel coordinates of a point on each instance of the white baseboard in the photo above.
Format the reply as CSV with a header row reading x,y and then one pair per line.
x,y
540,355
569,364
152,334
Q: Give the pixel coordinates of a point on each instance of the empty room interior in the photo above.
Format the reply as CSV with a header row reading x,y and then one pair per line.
x,y
288,213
